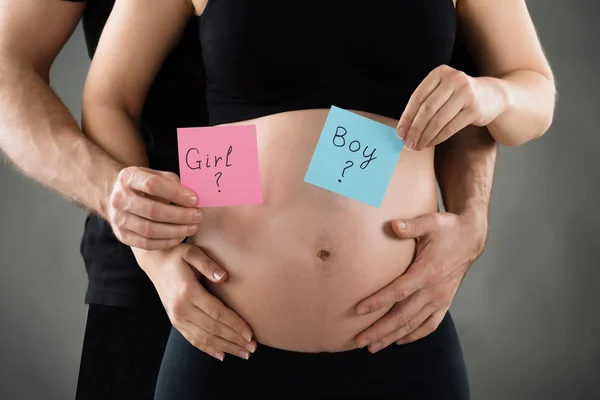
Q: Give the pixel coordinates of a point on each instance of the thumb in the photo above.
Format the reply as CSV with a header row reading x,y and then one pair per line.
x,y
411,228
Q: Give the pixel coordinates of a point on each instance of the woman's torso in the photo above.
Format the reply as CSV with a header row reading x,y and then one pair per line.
x,y
300,262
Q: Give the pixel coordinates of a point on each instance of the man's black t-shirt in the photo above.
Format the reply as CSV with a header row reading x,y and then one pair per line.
x,y
176,99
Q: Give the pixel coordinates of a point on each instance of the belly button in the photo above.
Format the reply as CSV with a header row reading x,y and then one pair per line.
x,y
323,254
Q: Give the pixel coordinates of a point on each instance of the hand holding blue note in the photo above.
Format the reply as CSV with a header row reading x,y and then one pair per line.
x,y
355,157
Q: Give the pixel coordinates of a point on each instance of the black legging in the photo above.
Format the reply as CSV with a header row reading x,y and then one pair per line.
x,y
122,352
430,368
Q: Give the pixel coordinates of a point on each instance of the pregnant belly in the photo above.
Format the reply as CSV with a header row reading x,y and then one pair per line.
x,y
300,262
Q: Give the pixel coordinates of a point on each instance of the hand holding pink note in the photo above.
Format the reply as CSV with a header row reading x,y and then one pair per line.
x,y
220,164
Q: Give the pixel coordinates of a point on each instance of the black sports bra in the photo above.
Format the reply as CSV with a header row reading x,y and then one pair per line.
x,y
268,56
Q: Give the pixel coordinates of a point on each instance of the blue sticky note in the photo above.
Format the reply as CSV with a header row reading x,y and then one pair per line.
x,y
355,157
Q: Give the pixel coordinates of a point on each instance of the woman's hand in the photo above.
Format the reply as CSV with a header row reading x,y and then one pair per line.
x,y
140,213
200,317
445,102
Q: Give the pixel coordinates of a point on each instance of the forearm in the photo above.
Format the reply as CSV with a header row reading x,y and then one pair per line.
x,y
464,166
117,133
40,136
114,131
529,100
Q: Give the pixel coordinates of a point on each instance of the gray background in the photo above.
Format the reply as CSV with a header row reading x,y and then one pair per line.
x,y
526,313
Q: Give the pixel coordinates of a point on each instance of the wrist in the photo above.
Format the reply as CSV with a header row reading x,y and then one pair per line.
x,y
497,95
475,210
106,189
476,216
140,256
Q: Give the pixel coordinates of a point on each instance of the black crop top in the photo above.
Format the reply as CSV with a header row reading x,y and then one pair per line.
x,y
268,56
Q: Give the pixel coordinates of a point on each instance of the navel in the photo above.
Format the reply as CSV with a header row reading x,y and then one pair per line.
x,y
323,254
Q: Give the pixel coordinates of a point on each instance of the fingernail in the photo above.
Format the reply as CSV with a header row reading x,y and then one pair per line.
x,y
244,354
192,228
363,342
192,199
220,355
250,347
247,336
362,310
408,144
401,341
402,225
401,132
218,274
197,216
375,347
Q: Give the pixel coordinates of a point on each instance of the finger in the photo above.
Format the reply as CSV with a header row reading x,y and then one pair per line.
x,y
426,328
422,92
219,312
161,212
459,122
400,289
157,185
169,175
407,328
450,109
156,230
201,320
428,108
416,227
201,346
200,262
132,239
219,344
207,332
400,315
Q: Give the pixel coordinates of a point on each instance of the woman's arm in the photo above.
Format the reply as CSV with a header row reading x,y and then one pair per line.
x,y
137,38
513,96
501,37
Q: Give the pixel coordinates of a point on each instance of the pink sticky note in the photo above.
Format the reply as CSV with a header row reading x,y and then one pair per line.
x,y
220,164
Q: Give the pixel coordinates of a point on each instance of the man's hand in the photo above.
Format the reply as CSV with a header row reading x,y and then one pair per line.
x,y
140,212
447,245
200,317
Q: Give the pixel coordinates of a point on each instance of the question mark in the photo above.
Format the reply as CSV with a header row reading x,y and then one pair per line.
x,y
344,170
220,175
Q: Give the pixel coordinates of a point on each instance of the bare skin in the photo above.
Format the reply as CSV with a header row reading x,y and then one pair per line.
x,y
41,137
515,96
301,262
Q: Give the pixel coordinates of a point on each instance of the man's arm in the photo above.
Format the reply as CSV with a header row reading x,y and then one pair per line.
x,y
447,243
465,163
37,132
39,135
464,166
